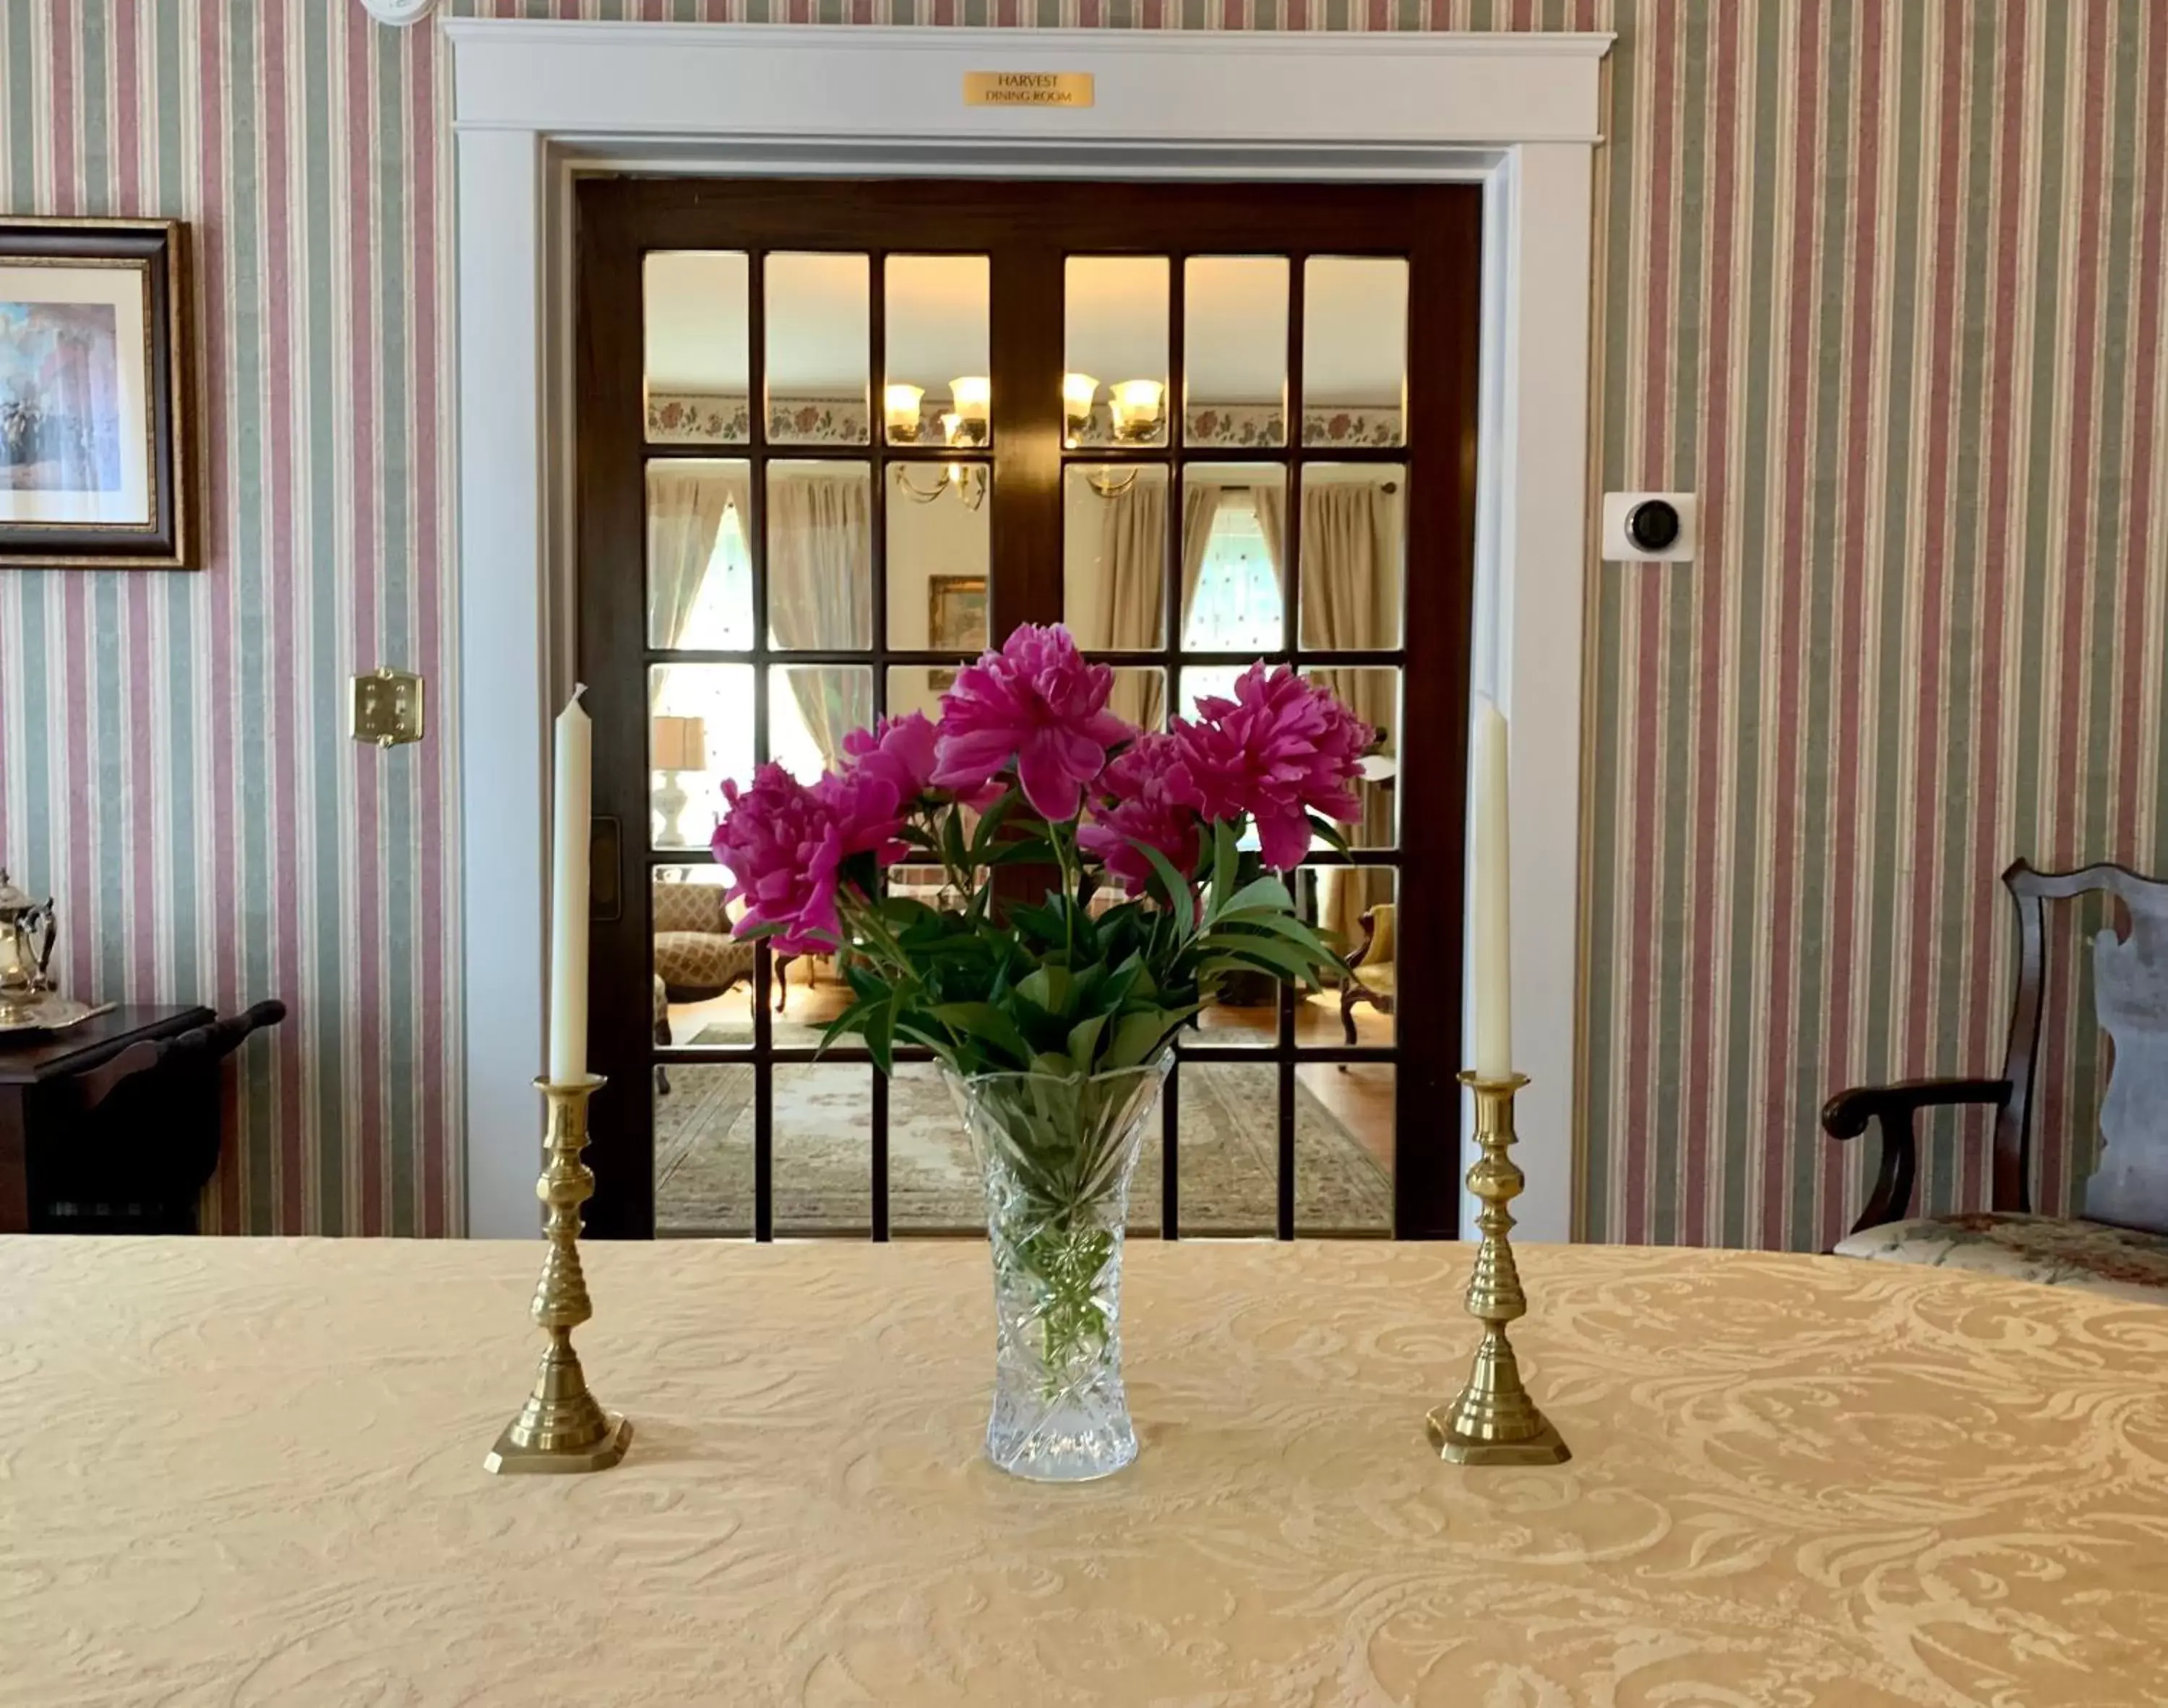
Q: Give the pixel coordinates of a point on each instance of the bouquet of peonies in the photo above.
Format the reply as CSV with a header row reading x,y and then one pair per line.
x,y
1026,765
1052,1018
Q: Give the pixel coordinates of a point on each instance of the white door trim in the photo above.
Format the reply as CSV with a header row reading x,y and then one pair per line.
x,y
537,104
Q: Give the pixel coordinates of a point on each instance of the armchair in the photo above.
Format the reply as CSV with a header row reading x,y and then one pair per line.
x,y
1374,976
2119,1242
696,957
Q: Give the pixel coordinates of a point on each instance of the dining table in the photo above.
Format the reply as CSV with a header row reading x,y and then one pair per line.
x,y
250,1471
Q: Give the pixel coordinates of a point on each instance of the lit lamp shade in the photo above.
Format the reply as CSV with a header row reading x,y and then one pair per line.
x,y
1078,391
900,405
679,744
1136,404
973,396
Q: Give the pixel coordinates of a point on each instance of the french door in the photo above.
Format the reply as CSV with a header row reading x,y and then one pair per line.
x,y
838,437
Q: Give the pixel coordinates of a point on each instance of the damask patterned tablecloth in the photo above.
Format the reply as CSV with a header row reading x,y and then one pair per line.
x,y
250,1473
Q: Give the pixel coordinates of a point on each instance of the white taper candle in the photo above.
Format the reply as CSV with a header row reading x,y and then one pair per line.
x,y
568,893
1490,919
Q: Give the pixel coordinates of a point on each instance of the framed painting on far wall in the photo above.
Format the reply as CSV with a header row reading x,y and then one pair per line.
x,y
93,416
955,620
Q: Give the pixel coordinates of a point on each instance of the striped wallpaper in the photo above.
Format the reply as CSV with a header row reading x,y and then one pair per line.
x,y
1881,279
174,755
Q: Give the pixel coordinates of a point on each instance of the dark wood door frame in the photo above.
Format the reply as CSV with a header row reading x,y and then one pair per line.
x,y
1028,228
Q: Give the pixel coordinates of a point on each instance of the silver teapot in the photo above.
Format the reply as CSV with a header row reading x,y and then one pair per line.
x,y
27,931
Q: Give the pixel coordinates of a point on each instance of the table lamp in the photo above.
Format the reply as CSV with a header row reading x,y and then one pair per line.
x,y
676,746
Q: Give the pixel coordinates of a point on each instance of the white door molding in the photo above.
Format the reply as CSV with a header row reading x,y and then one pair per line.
x,y
535,104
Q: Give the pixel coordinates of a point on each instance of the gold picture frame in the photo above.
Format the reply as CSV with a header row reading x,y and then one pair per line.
x,y
94,422
955,620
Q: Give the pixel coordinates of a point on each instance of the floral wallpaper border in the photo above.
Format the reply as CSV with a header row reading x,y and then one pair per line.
x,y
724,418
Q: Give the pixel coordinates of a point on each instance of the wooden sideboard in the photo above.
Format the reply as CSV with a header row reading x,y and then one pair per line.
x,y
31,1065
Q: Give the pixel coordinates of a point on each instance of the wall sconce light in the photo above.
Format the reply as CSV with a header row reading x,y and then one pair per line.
x,y
1078,390
1136,404
974,396
900,404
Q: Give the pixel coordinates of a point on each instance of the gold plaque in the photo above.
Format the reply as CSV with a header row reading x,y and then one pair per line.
x,y
1027,88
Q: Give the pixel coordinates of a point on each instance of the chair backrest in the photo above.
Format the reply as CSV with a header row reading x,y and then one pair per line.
x,y
2129,1186
690,907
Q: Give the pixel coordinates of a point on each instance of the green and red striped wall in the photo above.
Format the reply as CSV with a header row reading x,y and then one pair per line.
x,y
1880,279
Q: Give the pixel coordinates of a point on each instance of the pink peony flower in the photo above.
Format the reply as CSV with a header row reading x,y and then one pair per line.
x,y
898,749
1281,749
1149,797
902,752
1037,704
782,845
865,811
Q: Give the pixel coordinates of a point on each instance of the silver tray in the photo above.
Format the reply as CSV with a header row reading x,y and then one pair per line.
x,y
53,1014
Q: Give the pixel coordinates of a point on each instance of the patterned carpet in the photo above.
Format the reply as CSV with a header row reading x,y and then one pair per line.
x,y
703,1135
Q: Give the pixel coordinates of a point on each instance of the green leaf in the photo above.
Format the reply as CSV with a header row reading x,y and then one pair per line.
x,y
1268,953
1261,893
1279,924
1136,1036
1334,836
953,850
1183,904
1224,863
880,1035
982,1020
990,825
1036,850
1050,986
1084,1039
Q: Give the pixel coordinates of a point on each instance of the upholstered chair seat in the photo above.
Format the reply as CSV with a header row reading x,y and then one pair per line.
x,y
2117,1241
2049,1249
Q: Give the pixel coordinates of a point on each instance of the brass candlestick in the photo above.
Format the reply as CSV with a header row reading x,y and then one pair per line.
x,y
1491,1420
562,1427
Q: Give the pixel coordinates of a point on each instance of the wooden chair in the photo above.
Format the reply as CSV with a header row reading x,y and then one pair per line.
x,y
1376,978
2120,1243
144,1134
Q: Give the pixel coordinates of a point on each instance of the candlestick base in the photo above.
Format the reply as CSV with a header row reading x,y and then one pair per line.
x,y
1492,1420
511,1457
562,1428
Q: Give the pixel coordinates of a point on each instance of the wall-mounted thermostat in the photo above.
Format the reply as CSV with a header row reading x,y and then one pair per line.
x,y
1648,527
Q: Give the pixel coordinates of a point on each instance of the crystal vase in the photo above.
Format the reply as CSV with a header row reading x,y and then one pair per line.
x,y
1056,1154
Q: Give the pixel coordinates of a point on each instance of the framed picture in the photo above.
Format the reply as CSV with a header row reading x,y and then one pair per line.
x,y
955,620
94,420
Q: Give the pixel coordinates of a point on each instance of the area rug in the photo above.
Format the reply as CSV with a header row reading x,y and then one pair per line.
x,y
823,1118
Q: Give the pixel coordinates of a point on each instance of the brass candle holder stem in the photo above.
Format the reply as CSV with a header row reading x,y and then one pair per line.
x,y
1491,1420
562,1427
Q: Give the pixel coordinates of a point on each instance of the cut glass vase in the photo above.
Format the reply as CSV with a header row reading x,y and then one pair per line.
x,y
1057,1155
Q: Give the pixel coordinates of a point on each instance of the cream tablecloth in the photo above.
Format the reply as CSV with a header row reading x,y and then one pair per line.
x,y
250,1473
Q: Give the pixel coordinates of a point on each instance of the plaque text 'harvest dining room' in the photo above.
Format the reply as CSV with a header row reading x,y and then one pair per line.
x,y
1027,88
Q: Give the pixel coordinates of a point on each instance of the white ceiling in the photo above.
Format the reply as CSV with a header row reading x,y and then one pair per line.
x,y
1355,320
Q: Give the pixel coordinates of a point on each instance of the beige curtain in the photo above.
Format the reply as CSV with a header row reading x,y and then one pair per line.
x,y
1351,596
1132,592
820,583
1132,600
1270,506
1200,504
686,505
